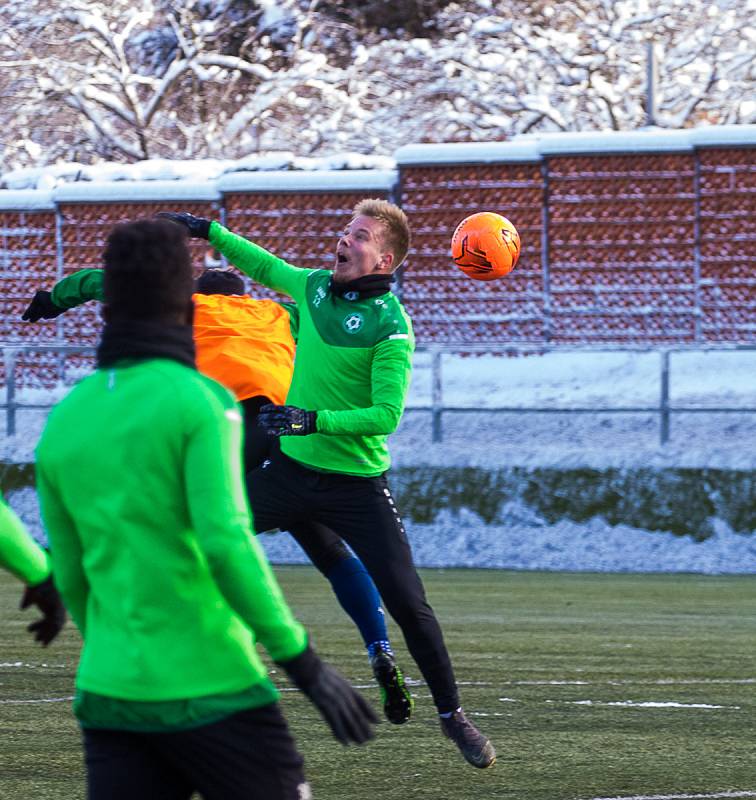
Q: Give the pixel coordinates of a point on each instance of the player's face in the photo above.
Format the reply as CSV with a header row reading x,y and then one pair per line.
x,y
362,250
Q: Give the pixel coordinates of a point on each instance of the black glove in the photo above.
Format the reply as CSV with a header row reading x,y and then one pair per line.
x,y
287,420
198,227
41,307
346,711
45,596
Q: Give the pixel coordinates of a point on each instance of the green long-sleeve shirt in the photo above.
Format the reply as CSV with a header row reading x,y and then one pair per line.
x,y
139,478
353,363
19,553
87,284
78,288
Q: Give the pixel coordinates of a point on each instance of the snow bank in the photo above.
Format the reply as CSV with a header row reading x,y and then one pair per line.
x,y
523,532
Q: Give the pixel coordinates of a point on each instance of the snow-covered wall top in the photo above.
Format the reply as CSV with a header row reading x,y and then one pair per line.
x,y
533,147
27,200
207,179
193,171
137,191
472,152
322,180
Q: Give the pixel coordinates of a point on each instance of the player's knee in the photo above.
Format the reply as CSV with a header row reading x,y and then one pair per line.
x,y
335,556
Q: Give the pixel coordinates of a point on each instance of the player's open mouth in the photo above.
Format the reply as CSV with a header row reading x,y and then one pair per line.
x,y
341,258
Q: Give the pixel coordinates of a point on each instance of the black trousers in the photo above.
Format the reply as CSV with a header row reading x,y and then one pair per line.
x,y
247,756
361,511
257,442
322,546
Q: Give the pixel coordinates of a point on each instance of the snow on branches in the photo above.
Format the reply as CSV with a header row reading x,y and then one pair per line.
x,y
127,81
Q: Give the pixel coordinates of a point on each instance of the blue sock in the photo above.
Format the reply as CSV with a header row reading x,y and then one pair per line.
x,y
355,590
384,644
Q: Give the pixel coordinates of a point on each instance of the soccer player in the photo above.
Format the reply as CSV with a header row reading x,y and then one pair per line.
x,y
247,345
25,559
351,374
141,493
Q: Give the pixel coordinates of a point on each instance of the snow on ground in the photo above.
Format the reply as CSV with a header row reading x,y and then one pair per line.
x,y
527,542
486,439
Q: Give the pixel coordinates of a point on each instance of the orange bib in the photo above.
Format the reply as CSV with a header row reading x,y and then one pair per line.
x,y
245,344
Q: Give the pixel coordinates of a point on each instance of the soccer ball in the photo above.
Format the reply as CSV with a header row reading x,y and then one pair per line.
x,y
485,246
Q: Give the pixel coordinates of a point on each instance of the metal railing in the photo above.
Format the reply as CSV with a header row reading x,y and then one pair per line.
x,y
437,408
10,359
664,408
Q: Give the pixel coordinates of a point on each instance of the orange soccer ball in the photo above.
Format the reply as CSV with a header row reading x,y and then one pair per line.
x,y
485,246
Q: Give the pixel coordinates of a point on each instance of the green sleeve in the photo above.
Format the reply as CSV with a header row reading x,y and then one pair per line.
x,y
66,551
78,288
260,265
221,519
19,553
390,377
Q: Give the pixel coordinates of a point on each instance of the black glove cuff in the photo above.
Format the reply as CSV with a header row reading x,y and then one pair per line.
x,y
302,669
46,588
202,228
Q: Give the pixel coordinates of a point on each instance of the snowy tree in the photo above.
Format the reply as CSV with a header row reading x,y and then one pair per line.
x,y
226,78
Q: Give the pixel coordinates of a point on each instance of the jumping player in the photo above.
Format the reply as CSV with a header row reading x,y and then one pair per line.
x,y
351,374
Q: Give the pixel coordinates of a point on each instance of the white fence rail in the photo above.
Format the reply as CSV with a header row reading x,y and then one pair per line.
x,y
664,408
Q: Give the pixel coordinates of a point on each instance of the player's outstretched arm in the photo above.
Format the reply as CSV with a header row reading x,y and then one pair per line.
x,y
346,711
253,260
220,517
71,291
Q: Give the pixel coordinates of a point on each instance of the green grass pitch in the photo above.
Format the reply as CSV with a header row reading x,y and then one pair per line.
x,y
590,686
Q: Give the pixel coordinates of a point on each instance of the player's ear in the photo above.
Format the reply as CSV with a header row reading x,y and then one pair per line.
x,y
386,262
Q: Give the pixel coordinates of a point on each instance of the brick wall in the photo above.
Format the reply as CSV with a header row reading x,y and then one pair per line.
x,y
622,249
445,305
728,245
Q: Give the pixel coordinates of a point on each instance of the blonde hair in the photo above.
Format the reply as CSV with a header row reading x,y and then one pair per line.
x,y
395,221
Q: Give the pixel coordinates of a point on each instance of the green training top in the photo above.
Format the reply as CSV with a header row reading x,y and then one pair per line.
x,y
353,362
87,284
19,553
139,478
78,287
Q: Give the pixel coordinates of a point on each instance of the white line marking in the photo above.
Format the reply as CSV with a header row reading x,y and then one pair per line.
x,y
647,704
714,796
621,682
41,700
628,704
630,682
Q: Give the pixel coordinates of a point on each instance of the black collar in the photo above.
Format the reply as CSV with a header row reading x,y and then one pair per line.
x,y
138,340
364,287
